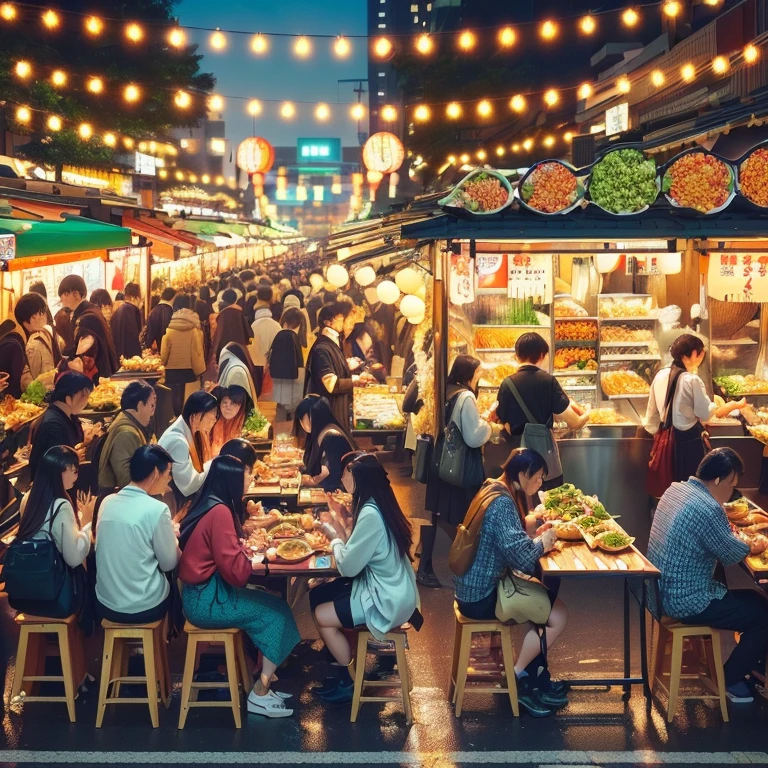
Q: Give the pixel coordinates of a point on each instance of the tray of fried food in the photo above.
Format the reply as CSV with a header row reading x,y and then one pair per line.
x,y
106,395
14,413
263,474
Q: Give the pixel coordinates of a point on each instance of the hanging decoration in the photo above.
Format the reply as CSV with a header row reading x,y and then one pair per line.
x,y
255,155
383,152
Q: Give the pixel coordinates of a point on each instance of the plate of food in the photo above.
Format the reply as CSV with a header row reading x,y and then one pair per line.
x,y
568,531
292,551
737,510
613,541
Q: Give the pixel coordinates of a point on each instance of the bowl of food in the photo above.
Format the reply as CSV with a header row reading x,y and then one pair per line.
x,y
482,192
613,541
294,550
551,188
623,182
568,531
699,180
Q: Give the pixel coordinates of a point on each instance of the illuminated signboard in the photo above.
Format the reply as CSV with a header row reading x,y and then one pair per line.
x,y
319,150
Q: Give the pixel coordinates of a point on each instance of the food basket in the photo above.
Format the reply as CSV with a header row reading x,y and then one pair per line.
x,y
551,188
688,181
624,183
481,184
602,544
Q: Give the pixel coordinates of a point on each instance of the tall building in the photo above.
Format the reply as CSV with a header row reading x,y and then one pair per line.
x,y
205,149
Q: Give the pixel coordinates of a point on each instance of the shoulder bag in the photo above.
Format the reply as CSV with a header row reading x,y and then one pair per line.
x,y
661,466
521,598
457,463
422,458
538,437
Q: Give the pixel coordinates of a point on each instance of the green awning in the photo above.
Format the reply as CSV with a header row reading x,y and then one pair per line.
x,y
74,234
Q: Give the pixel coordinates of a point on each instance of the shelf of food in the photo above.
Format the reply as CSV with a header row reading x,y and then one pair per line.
x,y
377,410
625,307
582,330
636,358
576,371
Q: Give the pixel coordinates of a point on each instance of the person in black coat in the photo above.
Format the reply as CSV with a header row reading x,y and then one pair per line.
x,y
286,362
13,359
158,320
127,322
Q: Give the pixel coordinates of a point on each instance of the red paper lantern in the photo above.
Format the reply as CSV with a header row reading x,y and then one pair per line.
x,y
383,152
255,155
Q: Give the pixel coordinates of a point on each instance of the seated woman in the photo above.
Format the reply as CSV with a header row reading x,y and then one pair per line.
x,y
325,443
379,586
184,444
215,568
136,543
234,407
50,509
504,543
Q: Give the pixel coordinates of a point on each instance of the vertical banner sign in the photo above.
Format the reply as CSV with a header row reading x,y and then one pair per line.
x,y
530,277
462,286
738,277
492,273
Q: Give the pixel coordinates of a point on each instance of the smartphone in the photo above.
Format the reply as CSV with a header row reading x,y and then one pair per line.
x,y
323,561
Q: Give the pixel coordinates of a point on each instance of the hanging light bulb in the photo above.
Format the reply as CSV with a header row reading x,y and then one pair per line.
x,y
424,44
287,110
23,69
54,123
720,65
254,108
712,2
94,26
657,78
517,103
587,25
23,115
177,38
259,44
422,114
568,137
218,40
134,33
467,40
128,142
192,178
216,103
485,108
389,113
341,47
182,99
630,17
205,179
219,181
481,155
59,78
131,93
507,37
51,19
322,112
548,30
464,158
549,142
671,8
688,73
357,112
585,91
8,12
623,85
95,85
551,97
453,110
162,173
382,48
451,159
500,151
751,54
85,131
179,176
528,145
109,139
302,48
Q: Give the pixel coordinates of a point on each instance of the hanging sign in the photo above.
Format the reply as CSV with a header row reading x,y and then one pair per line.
x,y
530,277
492,273
7,249
738,277
462,287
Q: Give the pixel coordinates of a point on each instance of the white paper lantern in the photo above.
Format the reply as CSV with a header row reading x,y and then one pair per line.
x,y
365,276
337,275
422,293
408,280
316,281
387,292
412,306
670,263
607,262
417,319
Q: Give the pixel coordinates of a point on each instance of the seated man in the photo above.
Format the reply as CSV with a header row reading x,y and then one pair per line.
x,y
690,534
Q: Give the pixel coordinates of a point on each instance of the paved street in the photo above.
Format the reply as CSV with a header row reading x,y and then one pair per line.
x,y
597,728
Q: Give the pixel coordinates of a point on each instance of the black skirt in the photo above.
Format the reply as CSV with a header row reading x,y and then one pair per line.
x,y
689,451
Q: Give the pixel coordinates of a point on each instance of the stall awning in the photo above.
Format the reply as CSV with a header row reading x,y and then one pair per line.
x,y
167,243
72,235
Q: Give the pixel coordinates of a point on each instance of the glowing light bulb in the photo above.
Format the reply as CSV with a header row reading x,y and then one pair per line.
x,y
23,69
389,113
549,142
623,85
551,97
128,142
357,112
657,78
751,54
85,131
23,115
322,112
287,110
585,91
162,173
182,99
254,108
587,25
54,123
422,114
517,103
672,8
630,17
8,12
109,139
464,158
528,145
95,85
712,2
500,151
548,30
720,65
467,40
424,44
452,159
453,110
515,147
568,137
216,103
259,44
205,178
481,155
218,41
302,48
485,108
132,93
341,47
59,78
507,37
94,25
219,180
177,38
179,176
51,19
382,48
688,72
134,33
192,178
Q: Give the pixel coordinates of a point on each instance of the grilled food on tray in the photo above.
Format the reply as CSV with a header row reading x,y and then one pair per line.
x,y
294,549
147,364
14,412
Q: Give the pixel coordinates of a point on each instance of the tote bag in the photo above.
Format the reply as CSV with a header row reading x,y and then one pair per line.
x,y
521,598
458,464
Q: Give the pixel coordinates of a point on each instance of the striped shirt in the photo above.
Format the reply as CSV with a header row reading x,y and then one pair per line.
x,y
690,533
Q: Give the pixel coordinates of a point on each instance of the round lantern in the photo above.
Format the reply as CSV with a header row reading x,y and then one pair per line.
x,y
412,306
383,152
416,319
316,281
337,275
408,280
365,276
422,292
387,292
255,155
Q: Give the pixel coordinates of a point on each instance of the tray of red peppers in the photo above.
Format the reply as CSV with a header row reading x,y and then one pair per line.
x,y
753,175
483,191
699,180
551,187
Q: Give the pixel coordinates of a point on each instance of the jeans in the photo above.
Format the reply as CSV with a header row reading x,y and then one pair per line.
x,y
745,611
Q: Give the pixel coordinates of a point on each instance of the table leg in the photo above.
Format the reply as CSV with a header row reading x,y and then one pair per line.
x,y
644,640
627,641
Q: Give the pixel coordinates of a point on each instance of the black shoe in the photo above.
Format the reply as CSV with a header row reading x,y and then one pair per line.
x,y
552,699
342,694
329,684
428,580
539,672
530,699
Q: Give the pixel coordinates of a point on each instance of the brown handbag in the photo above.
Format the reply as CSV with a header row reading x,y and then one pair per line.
x,y
465,544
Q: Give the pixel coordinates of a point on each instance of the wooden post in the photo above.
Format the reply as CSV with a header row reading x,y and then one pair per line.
x,y
440,261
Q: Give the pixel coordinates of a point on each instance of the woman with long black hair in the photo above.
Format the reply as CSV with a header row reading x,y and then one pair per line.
x,y
325,442
378,588
215,568
234,406
236,367
51,509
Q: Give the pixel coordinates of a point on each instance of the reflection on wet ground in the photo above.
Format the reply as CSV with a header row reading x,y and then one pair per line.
x,y
594,723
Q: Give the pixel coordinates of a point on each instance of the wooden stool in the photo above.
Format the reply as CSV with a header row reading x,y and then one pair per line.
x,y
396,636
114,666
237,670
32,652
462,643
670,643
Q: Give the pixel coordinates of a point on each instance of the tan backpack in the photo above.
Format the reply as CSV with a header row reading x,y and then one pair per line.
x,y
465,544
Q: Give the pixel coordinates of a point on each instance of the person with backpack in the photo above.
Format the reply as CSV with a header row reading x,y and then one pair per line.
x,y
448,501
43,570
42,348
497,536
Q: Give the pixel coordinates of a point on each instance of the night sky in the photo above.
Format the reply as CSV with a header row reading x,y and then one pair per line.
x,y
280,74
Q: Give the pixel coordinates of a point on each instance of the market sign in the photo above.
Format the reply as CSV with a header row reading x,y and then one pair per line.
x,y
324,150
738,277
530,277
7,250
617,119
462,289
491,272
146,165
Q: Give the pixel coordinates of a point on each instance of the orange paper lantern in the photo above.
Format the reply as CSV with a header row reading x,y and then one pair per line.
x,y
255,155
383,153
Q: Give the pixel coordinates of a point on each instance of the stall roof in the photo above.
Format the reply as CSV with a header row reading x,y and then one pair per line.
x,y
165,239
73,234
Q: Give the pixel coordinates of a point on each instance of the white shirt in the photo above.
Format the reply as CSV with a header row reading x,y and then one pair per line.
x,y
264,328
135,543
176,440
690,404
332,334
73,543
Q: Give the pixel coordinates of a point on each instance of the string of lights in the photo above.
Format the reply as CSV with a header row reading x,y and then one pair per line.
x,y
260,43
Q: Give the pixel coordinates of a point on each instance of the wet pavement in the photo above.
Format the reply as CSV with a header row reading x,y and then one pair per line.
x,y
597,727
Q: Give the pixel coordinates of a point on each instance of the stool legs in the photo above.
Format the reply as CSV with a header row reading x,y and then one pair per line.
x,y
150,670
232,674
106,670
675,671
719,674
362,649
189,673
67,670
405,677
508,655
461,679
243,664
21,662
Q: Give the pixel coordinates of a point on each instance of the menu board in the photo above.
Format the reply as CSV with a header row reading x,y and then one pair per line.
x,y
738,277
530,277
92,271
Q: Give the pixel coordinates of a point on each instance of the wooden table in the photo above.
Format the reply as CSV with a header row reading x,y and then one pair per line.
x,y
575,560
296,576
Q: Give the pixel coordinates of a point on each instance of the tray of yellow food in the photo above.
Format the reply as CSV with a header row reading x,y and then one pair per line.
x,y
624,384
147,363
625,307
625,333
492,375
576,330
497,337
15,413
607,417
106,396
759,432
570,358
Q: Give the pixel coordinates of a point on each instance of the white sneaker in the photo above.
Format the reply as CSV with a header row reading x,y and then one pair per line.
x,y
283,695
269,705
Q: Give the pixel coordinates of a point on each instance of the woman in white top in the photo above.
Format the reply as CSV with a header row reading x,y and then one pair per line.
x,y
49,509
680,385
378,588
